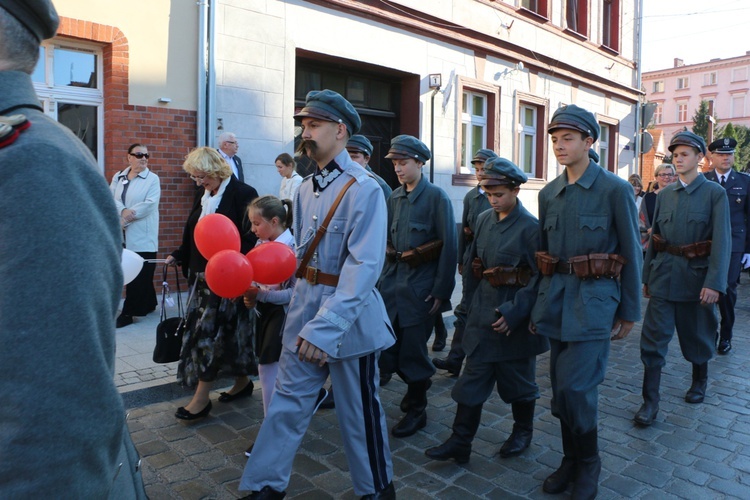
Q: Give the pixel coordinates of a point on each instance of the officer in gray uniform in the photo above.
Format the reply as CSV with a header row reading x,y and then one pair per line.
x,y
684,273
500,275
737,187
475,202
419,274
337,323
62,420
360,150
590,258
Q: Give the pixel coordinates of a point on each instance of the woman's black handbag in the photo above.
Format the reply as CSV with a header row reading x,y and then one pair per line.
x,y
169,330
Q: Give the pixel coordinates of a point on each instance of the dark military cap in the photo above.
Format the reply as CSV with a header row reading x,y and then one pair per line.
x,y
330,106
37,16
686,138
723,146
361,144
594,155
407,146
482,155
501,172
575,118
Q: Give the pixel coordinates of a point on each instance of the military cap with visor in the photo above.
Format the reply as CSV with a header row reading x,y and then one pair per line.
x,y
575,118
330,106
360,144
724,146
501,172
687,138
37,16
407,146
482,155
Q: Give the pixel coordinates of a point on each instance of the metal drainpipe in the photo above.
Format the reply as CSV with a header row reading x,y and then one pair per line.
x,y
201,119
432,135
639,83
211,74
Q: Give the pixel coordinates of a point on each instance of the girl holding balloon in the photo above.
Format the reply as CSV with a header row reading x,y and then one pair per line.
x,y
271,219
218,334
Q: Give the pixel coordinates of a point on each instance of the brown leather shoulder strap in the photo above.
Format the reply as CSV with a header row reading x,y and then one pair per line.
x,y
322,229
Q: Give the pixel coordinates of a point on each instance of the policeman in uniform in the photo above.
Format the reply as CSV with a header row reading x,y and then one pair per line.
x,y
500,276
475,202
591,264
360,150
62,420
737,187
419,274
684,272
337,323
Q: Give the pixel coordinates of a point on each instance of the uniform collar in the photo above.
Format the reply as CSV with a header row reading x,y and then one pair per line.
x,y
414,193
690,188
512,217
16,88
585,181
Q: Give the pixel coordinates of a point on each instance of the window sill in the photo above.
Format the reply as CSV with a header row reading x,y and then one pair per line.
x,y
533,15
611,50
464,180
575,34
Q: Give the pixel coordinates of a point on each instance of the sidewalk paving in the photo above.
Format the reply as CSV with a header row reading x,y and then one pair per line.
x,y
691,451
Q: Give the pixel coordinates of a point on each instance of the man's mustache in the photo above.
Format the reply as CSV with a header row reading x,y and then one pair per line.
x,y
307,147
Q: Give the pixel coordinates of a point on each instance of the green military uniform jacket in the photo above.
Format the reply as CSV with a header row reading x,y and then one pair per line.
x,y
475,203
596,214
685,215
423,215
508,242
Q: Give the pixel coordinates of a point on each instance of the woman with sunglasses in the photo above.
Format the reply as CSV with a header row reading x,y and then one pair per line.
x,y
137,191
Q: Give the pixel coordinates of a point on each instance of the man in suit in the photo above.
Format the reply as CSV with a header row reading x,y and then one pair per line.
x,y
228,147
62,421
337,324
737,187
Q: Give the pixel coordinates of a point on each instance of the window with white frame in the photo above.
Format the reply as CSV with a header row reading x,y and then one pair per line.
x,y
576,16
737,106
710,78
68,81
683,82
658,114
658,86
739,74
611,24
473,125
604,146
537,6
529,137
682,112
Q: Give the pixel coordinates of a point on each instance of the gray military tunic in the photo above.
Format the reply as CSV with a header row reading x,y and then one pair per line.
x,y
348,322
685,215
595,214
508,242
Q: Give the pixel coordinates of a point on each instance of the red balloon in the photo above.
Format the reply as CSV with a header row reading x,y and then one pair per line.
x,y
214,233
273,262
229,274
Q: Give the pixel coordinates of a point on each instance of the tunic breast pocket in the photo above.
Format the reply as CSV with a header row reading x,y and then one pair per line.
x,y
550,222
593,222
333,239
698,220
419,233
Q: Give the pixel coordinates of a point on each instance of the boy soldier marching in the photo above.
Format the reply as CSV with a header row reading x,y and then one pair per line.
x,y
737,187
336,322
590,258
684,273
475,202
419,274
500,276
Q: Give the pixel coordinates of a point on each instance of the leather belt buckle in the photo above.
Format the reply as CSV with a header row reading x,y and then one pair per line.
x,y
312,275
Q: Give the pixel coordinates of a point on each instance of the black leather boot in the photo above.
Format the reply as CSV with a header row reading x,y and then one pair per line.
x,y
416,417
267,493
650,407
558,481
589,467
387,493
405,400
523,428
441,334
458,446
697,391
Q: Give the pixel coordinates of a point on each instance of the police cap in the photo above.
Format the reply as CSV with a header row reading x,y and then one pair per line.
x,y
723,146
37,16
407,146
501,172
575,118
330,106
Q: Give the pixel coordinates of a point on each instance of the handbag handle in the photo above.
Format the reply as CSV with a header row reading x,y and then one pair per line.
x,y
165,287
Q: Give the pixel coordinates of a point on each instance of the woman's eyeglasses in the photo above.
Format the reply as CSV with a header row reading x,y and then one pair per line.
x,y
139,155
665,175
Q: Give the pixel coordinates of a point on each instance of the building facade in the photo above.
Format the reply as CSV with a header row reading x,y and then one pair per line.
x,y
678,92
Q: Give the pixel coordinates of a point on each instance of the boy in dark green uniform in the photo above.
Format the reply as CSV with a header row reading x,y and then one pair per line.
x,y
500,276
591,261
684,273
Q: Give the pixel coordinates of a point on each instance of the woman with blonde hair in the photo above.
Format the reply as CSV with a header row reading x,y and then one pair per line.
x,y
218,336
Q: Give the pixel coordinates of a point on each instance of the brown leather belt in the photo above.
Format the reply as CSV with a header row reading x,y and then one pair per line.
x,y
564,267
316,277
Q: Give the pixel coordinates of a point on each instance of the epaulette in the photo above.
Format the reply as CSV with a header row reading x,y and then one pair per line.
x,y
11,127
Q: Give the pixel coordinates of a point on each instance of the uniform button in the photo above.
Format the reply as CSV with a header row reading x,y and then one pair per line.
x,y
316,194
315,217
336,228
338,345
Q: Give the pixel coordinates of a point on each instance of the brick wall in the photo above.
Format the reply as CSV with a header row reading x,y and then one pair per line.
x,y
168,133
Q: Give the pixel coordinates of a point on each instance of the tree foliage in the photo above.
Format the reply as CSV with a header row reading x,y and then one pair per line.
x,y
701,121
